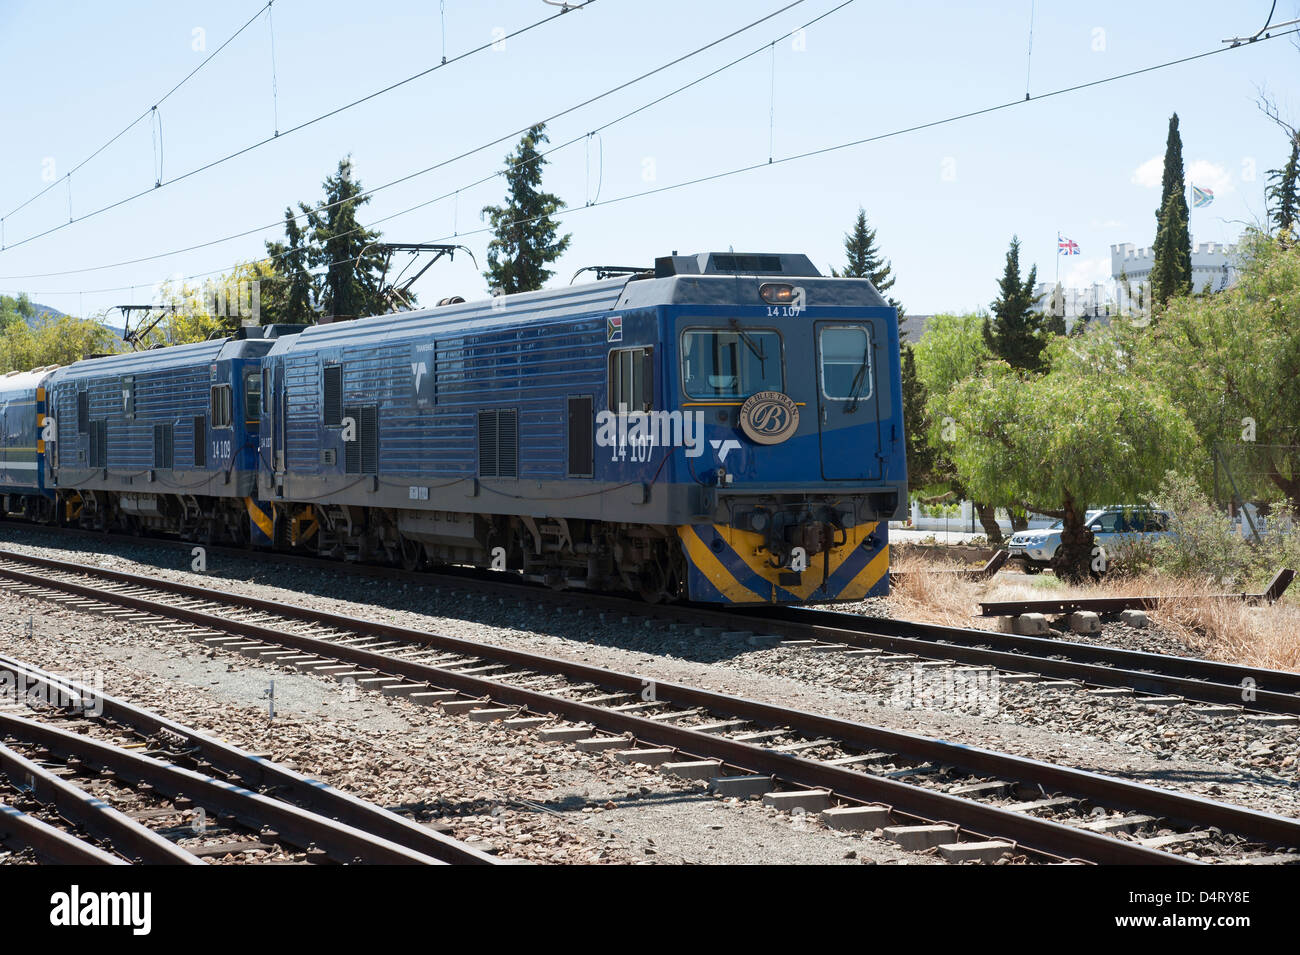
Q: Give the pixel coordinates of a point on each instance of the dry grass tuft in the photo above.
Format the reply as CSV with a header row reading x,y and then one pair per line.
x,y
1229,630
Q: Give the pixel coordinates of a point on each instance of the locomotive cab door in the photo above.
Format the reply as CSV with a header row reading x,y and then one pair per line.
x,y
848,418
276,408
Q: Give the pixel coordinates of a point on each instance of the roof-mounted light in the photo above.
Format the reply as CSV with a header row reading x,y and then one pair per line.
x,y
776,293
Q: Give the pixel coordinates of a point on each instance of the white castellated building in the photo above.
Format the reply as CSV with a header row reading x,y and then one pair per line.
x,y
1214,268
1214,265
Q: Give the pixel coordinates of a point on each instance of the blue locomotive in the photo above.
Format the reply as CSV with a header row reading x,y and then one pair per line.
x,y
724,428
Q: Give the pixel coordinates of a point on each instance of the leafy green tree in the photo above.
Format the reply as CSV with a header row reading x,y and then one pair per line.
x,y
952,350
1015,332
287,289
193,316
16,309
865,260
1171,268
1078,434
524,228
339,244
1232,360
1283,193
53,340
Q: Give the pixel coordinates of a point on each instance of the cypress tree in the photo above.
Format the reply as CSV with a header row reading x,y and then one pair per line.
x,y
524,230
865,260
1283,192
1171,269
1015,331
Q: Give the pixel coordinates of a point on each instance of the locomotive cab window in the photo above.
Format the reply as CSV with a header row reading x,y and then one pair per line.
x,y
221,406
252,398
631,379
846,362
731,363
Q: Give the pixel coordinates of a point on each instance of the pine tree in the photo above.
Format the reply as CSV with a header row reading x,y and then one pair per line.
x,y
289,297
1015,332
338,242
1283,192
524,229
1171,269
866,262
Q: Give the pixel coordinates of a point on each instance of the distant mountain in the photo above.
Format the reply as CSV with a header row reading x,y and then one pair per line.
x,y
44,311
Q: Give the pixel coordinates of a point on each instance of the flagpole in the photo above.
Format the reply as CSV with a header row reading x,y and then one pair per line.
x,y
1058,262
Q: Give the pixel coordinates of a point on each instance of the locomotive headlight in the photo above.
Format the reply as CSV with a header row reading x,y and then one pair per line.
x,y
776,293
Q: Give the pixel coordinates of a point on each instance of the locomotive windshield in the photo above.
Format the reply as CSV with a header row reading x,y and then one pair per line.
x,y
720,363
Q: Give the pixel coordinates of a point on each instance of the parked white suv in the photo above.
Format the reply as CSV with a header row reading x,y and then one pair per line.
x,y
1035,549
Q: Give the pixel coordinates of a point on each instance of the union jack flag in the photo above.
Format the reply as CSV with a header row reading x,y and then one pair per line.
x,y
1066,246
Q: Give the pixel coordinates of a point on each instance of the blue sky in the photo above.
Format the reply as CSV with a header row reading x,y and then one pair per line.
x,y
945,201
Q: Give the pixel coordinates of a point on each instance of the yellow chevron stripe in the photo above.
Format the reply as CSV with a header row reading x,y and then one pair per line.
x,y
708,564
867,577
747,546
260,518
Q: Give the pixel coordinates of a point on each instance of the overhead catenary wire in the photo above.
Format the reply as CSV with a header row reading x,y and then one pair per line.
x,y
299,127
794,157
156,103
509,136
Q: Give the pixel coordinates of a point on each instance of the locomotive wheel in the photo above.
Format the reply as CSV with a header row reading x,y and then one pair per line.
x,y
651,585
413,557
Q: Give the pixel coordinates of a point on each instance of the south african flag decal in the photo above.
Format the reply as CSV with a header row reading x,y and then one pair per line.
x,y
614,329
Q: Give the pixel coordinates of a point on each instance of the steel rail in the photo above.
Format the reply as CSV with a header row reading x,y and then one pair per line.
x,y
263,774
1045,836
50,843
293,824
1279,681
92,813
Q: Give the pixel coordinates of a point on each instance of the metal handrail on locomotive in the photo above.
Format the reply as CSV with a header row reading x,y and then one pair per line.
x,y
724,428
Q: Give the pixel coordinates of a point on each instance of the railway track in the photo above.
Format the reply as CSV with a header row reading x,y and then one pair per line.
x,y
87,778
972,804
1224,689
1239,688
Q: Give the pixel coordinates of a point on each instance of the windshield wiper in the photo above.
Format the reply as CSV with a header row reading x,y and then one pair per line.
x,y
757,350
855,393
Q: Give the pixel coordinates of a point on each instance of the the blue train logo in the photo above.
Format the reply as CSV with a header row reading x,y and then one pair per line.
x,y
769,417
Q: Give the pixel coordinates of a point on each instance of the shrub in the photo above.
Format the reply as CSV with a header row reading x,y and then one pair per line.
x,y
1206,546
